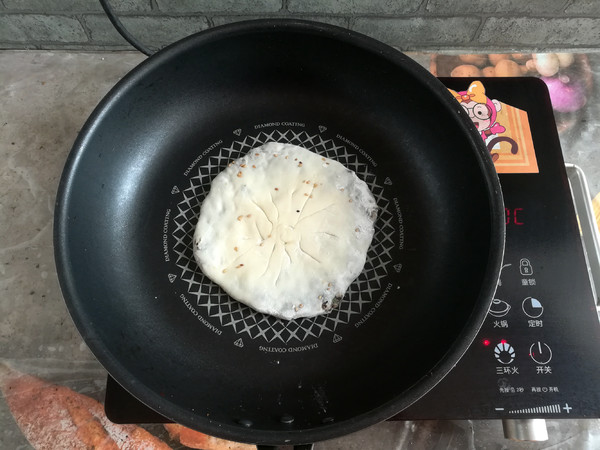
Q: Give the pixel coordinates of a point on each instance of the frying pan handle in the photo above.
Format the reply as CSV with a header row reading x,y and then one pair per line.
x,y
286,447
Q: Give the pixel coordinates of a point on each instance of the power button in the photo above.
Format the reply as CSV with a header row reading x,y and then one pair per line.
x,y
540,352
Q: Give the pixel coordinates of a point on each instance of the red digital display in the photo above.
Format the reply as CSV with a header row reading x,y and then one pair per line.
x,y
514,216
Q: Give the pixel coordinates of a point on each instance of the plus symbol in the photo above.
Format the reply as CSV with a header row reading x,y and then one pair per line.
x,y
567,408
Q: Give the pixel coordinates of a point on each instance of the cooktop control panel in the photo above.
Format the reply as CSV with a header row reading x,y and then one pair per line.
x,y
538,353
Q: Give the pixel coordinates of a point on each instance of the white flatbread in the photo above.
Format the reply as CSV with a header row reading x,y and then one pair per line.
x,y
285,231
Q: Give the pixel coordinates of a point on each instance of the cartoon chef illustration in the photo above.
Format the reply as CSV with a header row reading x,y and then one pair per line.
x,y
481,109
483,112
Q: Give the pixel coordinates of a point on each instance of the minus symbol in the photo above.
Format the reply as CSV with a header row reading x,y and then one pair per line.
x,y
499,409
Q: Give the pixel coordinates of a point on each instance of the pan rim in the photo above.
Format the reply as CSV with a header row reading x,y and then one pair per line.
x,y
322,432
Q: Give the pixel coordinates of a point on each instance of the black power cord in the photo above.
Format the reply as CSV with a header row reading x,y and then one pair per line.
x,y
121,29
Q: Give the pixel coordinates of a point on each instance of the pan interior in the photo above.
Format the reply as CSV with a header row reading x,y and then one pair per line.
x,y
130,194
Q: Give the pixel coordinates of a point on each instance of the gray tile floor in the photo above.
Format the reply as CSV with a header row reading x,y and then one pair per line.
x,y
45,98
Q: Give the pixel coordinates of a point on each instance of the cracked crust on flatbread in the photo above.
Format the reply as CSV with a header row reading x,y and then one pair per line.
x,y
285,230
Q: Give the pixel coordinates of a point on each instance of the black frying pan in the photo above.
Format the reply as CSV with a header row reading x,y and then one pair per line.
x,y
132,189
